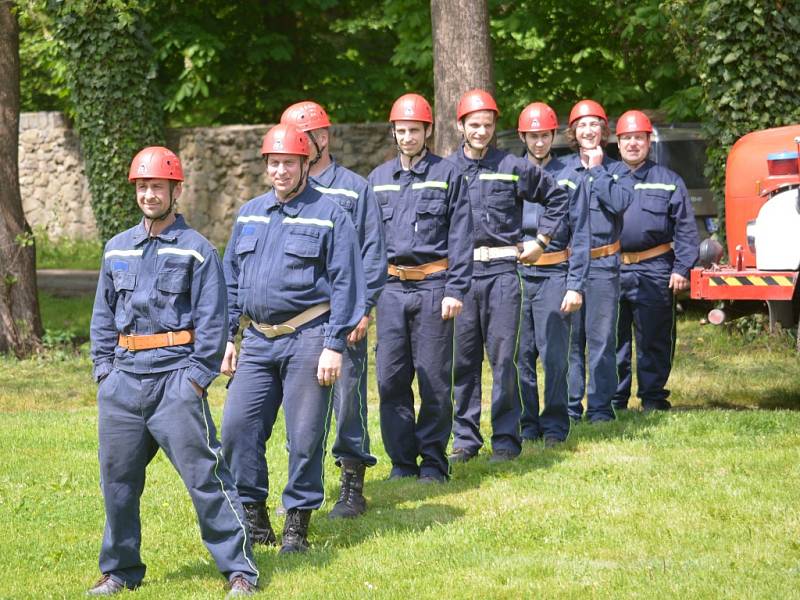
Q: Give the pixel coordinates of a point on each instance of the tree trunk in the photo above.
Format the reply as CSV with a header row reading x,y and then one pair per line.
x,y
462,60
20,323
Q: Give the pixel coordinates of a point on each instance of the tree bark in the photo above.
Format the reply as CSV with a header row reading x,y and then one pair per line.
x,y
20,322
462,60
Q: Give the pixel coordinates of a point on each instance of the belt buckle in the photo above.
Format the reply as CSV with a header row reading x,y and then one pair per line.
x,y
483,254
401,273
129,344
273,331
630,258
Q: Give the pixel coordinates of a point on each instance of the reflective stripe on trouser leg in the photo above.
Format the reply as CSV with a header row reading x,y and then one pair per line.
x,y
307,407
577,360
528,354
350,407
395,373
602,307
552,329
432,351
169,398
654,320
254,396
125,449
468,370
501,318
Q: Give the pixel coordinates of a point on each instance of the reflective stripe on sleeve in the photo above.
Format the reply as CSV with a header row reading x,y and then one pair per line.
x,y
667,187
498,177
441,185
182,252
111,253
567,183
337,192
304,221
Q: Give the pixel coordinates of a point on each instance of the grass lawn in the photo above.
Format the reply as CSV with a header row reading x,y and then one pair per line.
x,y
702,502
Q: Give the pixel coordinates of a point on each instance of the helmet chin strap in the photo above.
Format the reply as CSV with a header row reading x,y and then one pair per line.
x,y
411,157
318,156
300,182
166,213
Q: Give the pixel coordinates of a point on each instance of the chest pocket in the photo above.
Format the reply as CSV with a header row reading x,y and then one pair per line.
x,y
601,223
245,252
386,210
501,203
655,209
348,204
124,284
302,259
431,218
172,299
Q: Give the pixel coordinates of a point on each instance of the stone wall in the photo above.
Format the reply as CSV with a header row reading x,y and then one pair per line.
x,y
222,165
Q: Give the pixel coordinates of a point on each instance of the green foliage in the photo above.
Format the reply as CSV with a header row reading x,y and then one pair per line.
x,y
620,54
741,52
111,76
66,252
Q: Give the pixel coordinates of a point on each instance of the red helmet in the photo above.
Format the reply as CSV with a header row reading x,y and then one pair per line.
x,y
306,115
475,100
537,117
285,139
156,162
587,108
634,121
411,107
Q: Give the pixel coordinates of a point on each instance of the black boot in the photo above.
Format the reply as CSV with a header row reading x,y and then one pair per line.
x,y
295,531
351,502
258,523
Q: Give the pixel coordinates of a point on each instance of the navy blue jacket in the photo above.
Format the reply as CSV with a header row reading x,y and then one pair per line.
x,y
661,212
608,201
497,185
426,217
150,285
572,233
350,192
285,258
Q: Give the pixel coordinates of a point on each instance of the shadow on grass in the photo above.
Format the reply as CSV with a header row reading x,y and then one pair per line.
x,y
328,537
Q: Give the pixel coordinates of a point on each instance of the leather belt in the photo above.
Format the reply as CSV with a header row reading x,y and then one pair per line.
x,y
290,326
156,340
550,258
417,272
607,250
487,253
631,258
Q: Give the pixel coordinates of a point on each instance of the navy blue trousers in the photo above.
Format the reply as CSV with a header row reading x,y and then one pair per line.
x,y
271,372
545,333
490,318
137,415
594,330
350,408
646,310
414,340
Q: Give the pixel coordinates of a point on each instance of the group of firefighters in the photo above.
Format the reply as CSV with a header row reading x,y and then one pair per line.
x,y
521,257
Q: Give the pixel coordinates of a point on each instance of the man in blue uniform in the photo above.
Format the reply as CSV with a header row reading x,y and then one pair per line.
x,y
497,183
659,248
428,231
158,336
351,447
553,284
293,267
594,327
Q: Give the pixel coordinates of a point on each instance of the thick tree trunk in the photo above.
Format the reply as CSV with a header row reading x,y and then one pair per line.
x,y
462,60
20,323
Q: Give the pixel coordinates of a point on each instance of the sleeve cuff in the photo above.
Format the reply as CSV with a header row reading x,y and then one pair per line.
x,y
335,344
455,294
101,370
200,376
